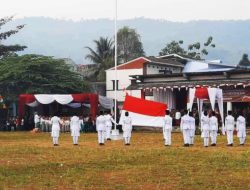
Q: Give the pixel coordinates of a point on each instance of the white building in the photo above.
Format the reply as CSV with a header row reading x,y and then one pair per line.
x,y
139,66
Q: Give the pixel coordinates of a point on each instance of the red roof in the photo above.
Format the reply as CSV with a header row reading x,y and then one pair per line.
x,y
134,64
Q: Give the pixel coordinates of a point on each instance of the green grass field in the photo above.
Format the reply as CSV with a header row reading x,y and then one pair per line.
x,y
29,161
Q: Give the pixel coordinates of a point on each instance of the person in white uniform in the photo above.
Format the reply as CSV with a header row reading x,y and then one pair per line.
x,y
229,127
205,128
75,128
185,128
241,129
192,128
213,124
108,124
167,128
55,131
127,128
100,128
36,121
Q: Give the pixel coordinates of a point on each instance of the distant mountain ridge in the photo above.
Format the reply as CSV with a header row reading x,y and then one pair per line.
x,y
68,39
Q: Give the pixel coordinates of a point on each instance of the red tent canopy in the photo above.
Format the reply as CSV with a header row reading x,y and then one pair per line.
x,y
79,98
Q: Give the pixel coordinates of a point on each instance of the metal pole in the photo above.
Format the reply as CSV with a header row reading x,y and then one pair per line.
x,y
115,62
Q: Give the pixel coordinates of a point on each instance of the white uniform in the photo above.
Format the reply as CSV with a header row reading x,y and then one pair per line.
x,y
213,123
36,121
185,128
55,131
108,125
167,129
127,129
42,124
75,128
192,129
241,129
100,128
205,129
47,125
229,127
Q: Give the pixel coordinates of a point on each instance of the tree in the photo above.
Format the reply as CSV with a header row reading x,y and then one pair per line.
x,y
103,56
6,50
194,50
129,45
37,74
244,62
173,48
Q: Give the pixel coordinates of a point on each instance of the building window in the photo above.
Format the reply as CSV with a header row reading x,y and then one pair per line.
x,y
117,85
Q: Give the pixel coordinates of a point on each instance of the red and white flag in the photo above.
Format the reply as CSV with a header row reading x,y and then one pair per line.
x,y
143,112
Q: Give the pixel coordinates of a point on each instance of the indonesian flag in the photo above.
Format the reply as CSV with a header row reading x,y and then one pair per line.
x,y
143,112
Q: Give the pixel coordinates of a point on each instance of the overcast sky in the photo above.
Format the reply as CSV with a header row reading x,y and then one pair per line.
x,y
173,10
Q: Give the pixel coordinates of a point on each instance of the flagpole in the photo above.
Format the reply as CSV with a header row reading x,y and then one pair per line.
x,y
115,132
115,62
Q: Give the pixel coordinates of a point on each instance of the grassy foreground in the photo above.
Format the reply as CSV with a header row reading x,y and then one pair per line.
x,y
29,161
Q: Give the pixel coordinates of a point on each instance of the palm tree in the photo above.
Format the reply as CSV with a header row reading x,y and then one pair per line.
x,y
103,55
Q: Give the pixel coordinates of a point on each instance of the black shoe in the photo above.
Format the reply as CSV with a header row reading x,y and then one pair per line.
x,y
206,146
231,144
75,144
242,144
166,145
109,139
186,145
54,144
100,144
212,144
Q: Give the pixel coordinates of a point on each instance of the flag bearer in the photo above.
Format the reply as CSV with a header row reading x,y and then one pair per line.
x,y
127,128
75,129
100,128
167,128
241,129
55,131
205,128
213,123
229,127
192,128
185,128
108,124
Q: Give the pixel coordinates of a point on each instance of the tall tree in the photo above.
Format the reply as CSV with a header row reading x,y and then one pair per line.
x,y
244,62
6,50
37,74
173,47
129,44
102,55
195,50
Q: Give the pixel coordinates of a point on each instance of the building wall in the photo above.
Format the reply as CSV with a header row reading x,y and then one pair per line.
x,y
155,69
123,82
121,94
